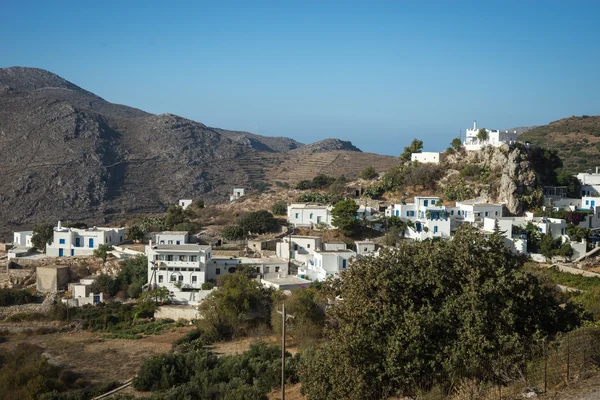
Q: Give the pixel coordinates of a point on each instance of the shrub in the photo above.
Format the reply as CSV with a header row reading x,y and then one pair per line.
x,y
368,173
13,297
232,232
280,208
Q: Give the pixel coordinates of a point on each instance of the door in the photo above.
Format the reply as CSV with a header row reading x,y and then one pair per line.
x,y
61,252
593,203
77,242
91,243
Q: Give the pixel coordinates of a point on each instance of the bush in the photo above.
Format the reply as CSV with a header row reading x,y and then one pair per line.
x,y
314,197
280,208
368,173
232,232
201,374
13,297
258,222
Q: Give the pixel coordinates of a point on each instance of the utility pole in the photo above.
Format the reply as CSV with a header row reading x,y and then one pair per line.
x,y
284,317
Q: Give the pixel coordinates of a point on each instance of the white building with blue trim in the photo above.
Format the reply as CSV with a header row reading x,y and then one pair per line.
x,y
82,242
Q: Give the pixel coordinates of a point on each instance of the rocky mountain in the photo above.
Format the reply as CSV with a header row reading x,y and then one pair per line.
x,y
576,139
69,154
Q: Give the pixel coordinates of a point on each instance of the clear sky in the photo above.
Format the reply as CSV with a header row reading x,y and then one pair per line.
x,y
376,73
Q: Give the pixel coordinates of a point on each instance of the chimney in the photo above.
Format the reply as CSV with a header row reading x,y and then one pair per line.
x,y
474,125
58,226
597,169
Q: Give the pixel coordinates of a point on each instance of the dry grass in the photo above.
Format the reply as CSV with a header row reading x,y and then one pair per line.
x,y
97,359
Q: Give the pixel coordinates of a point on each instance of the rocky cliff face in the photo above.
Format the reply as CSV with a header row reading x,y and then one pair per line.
x,y
69,154
503,175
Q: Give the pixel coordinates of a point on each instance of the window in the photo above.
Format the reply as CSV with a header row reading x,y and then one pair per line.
x,y
178,242
435,229
297,215
194,279
218,271
451,212
180,278
160,279
344,263
541,230
308,246
156,257
486,213
587,202
173,278
310,216
426,203
397,213
267,270
170,257
496,213
365,249
181,258
276,269
433,202
170,242
61,241
193,258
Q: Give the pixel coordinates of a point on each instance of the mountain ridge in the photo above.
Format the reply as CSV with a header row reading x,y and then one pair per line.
x,y
70,154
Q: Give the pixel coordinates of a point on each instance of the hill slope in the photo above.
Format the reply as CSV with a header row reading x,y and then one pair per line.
x,y
71,155
576,139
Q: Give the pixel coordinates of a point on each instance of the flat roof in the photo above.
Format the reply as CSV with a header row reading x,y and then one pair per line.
x,y
172,233
181,247
288,280
308,205
334,251
306,237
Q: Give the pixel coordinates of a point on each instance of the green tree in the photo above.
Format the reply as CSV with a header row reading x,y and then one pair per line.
x,y
135,233
337,191
483,135
175,215
425,310
258,222
134,274
42,235
105,284
368,173
236,306
308,309
322,181
416,146
200,203
279,208
456,144
102,252
344,216
232,232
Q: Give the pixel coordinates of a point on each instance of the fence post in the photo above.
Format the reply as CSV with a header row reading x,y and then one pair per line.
x,y
545,365
568,357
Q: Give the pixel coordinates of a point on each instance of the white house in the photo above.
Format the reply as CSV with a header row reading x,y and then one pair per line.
x,y
474,210
428,218
286,283
365,248
515,242
590,203
301,249
325,264
171,237
182,269
426,157
185,203
266,267
22,239
495,138
309,215
590,183
237,193
82,242
82,294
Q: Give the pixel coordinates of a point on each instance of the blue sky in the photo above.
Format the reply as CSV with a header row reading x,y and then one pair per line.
x,y
376,73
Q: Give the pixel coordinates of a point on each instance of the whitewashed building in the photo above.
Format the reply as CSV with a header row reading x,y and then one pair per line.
x,y
365,248
426,157
237,193
182,269
590,183
428,218
309,215
515,242
326,263
22,239
298,248
495,138
171,237
82,242
474,211
185,203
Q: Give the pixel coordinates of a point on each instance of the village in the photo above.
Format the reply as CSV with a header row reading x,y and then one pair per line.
x,y
301,252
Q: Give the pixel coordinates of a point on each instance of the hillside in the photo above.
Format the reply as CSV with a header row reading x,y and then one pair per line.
x,y
576,139
71,155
